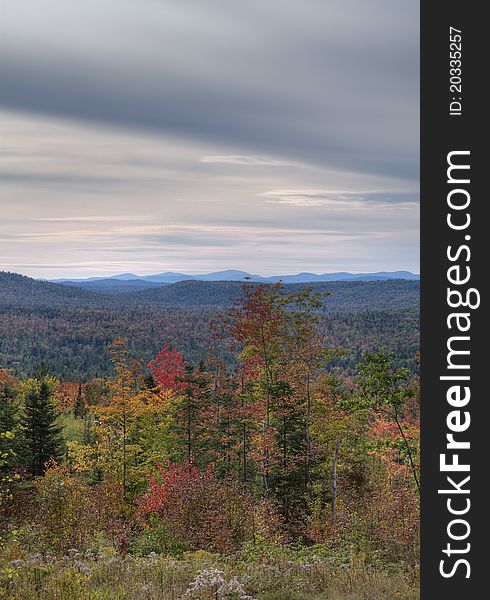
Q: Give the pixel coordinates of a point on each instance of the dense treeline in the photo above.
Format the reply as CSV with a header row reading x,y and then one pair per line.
x,y
344,296
19,290
70,329
75,342
268,456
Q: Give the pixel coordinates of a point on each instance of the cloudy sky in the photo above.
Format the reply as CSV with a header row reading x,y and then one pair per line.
x,y
273,136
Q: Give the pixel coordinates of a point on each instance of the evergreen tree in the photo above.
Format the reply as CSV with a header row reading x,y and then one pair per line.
x,y
41,433
79,409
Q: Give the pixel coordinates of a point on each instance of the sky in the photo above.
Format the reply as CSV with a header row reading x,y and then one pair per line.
x,y
271,136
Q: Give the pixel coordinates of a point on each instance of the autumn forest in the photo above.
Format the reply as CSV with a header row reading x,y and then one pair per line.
x,y
257,458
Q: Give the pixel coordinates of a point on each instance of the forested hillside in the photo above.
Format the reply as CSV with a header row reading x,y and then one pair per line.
x,y
70,329
346,296
21,291
113,286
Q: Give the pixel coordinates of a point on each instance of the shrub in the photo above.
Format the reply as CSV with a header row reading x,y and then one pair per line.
x,y
155,538
63,517
198,508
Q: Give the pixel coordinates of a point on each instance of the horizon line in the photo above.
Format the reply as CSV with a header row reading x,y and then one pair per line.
x,y
209,272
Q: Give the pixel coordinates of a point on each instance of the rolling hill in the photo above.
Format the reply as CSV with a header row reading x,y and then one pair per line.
x,y
113,285
345,296
125,282
21,291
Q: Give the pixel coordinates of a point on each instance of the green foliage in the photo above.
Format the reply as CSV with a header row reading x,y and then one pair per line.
x,y
39,425
386,389
64,518
72,428
7,457
382,386
156,537
9,412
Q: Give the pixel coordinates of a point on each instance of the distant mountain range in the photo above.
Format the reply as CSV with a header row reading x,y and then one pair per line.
x,y
131,282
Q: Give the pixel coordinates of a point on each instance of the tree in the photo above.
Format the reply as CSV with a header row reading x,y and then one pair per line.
x,y
386,390
7,455
9,410
306,357
118,418
333,429
168,368
79,410
256,323
187,395
39,425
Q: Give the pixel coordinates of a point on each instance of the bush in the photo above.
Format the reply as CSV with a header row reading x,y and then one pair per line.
x,y
199,509
63,516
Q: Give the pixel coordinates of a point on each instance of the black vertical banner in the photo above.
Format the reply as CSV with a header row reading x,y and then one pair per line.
x,y
455,397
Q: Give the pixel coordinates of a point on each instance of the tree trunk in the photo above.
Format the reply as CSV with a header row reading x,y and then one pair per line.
x,y
244,433
244,452
334,481
265,465
124,455
189,437
307,435
409,452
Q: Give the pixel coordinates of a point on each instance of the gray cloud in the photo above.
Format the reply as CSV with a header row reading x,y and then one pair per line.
x,y
341,199
268,135
238,159
330,82
65,180
90,219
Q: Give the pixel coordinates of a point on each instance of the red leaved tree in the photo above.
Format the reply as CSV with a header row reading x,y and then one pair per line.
x,y
168,369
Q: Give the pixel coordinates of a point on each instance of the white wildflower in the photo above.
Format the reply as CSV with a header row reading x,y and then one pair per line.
x,y
214,581
82,567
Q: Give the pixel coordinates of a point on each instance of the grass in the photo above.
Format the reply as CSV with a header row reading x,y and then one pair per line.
x,y
201,575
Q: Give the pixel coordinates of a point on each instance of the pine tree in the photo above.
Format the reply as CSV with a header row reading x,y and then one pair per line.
x,y
41,433
79,410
